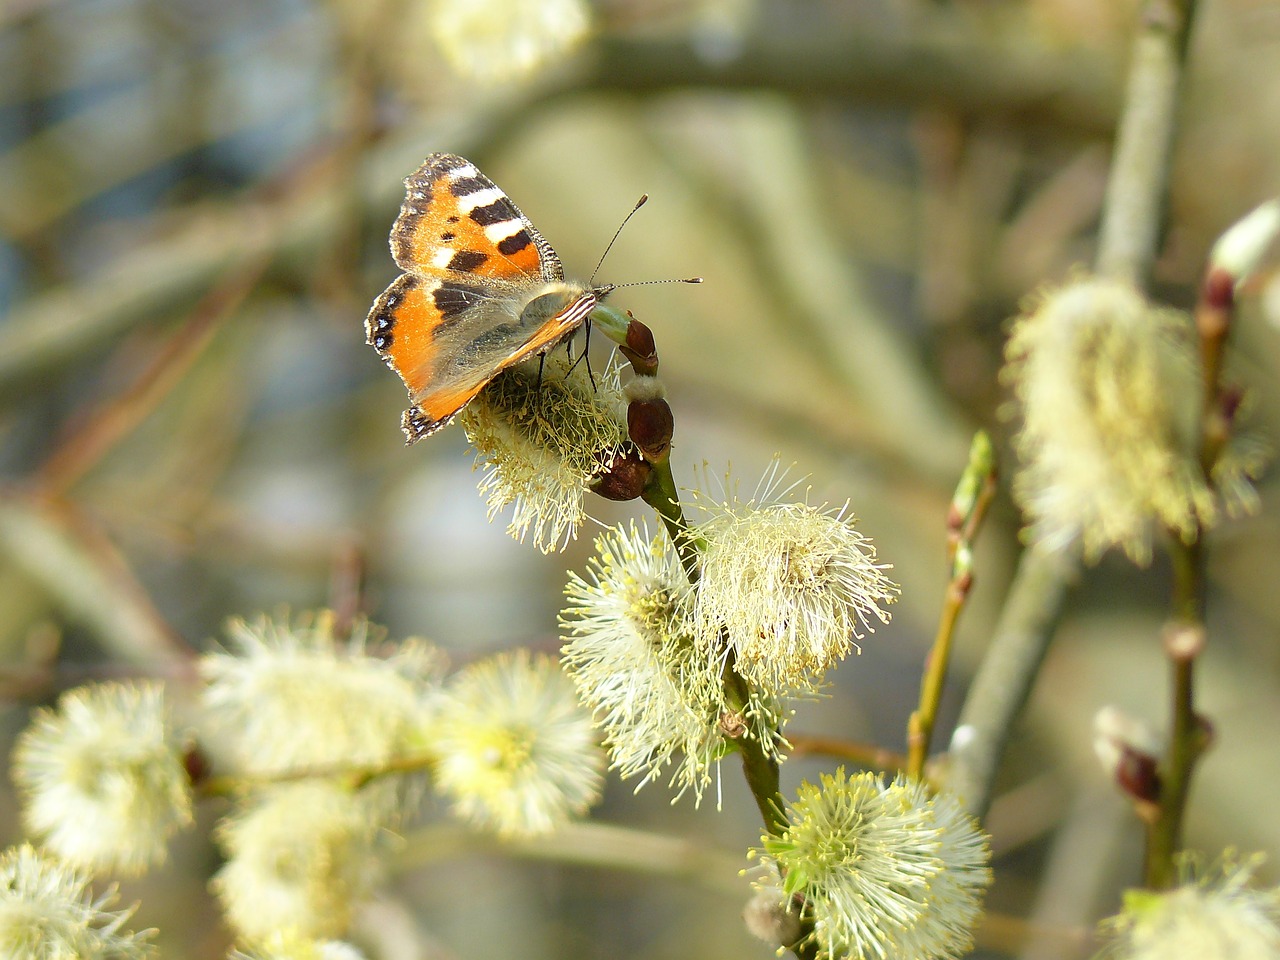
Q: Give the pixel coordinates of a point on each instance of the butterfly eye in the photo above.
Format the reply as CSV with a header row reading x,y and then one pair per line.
x,y
544,307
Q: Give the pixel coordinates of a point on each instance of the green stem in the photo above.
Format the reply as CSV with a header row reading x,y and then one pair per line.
x,y
867,755
1184,640
759,768
969,505
356,775
920,727
661,494
761,771
1187,742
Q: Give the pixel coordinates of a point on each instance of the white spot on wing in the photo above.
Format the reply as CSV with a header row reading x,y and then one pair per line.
x,y
497,232
481,198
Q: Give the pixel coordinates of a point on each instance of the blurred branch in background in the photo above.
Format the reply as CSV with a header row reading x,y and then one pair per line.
x,y
1136,195
193,210
88,578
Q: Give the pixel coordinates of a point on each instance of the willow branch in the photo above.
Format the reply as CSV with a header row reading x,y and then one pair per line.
x,y
942,62
1009,668
87,578
1127,247
1137,187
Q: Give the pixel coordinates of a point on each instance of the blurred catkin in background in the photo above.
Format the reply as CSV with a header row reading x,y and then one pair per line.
x,y
194,204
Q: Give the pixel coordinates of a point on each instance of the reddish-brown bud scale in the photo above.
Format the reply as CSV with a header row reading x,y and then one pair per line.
x,y
1138,775
624,477
196,764
1205,732
650,424
640,349
1229,402
1217,301
1219,290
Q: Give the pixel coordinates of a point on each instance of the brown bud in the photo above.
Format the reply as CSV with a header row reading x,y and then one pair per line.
x,y
773,922
1219,289
623,477
1137,775
650,424
640,348
196,764
1230,398
1217,302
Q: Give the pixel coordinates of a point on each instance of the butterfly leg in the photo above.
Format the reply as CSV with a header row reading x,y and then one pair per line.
x,y
586,345
583,356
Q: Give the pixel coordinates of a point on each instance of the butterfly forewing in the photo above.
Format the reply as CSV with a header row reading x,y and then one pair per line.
x,y
455,220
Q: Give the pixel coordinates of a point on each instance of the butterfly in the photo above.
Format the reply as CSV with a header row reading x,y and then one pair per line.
x,y
481,291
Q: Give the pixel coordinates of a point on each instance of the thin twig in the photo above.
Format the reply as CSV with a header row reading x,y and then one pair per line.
x,y
107,424
868,755
969,506
59,548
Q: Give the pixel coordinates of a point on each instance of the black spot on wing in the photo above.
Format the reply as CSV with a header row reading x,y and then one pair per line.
x,y
380,325
452,299
464,261
403,234
500,211
466,186
416,424
443,163
514,243
447,236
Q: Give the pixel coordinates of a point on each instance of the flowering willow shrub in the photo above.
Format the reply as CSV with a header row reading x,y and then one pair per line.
x,y
1214,913
884,869
516,752
326,743
684,646
1109,397
790,587
48,910
541,432
103,779
632,652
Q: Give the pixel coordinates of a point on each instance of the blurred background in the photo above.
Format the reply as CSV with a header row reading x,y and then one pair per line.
x,y
194,206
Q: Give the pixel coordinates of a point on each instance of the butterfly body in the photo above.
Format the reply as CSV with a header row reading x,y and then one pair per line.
x,y
481,291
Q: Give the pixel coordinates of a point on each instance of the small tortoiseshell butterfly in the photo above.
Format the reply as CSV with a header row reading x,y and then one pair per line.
x,y
481,291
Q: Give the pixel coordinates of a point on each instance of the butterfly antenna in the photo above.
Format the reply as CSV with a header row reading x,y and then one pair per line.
x,y
645,283
644,198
